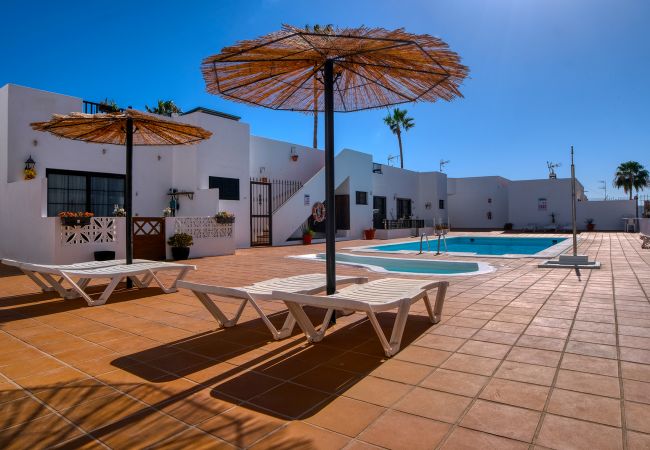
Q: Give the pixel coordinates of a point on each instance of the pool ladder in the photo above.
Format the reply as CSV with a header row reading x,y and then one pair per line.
x,y
424,236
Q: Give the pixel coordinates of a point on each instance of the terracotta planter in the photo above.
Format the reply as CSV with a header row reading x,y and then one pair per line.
x,y
306,239
180,253
75,221
369,234
591,227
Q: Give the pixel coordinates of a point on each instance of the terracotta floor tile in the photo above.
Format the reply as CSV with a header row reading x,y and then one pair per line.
x,y
466,439
246,385
329,379
19,411
103,411
542,343
302,435
551,322
357,362
534,356
636,391
197,406
402,371
635,355
378,391
635,371
454,331
290,400
637,416
400,430
497,337
588,383
589,349
433,404
194,439
514,393
548,332
440,342
572,434
589,407
345,415
527,373
594,326
454,382
43,432
504,327
637,441
487,349
471,364
502,420
634,342
241,426
141,430
62,397
423,355
593,337
590,364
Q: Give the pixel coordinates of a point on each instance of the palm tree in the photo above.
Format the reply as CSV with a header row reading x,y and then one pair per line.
x,y
164,108
317,29
398,122
630,176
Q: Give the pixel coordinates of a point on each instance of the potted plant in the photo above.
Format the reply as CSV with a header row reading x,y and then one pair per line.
x,y
307,235
180,244
507,226
167,212
224,217
369,234
590,224
119,212
75,219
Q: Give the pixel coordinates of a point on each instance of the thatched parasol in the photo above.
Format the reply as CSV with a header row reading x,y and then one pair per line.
x,y
342,70
129,128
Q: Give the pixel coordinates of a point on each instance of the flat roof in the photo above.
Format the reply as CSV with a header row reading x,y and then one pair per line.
x,y
212,112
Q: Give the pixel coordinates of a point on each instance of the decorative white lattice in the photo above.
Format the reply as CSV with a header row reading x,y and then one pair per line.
x,y
202,227
100,229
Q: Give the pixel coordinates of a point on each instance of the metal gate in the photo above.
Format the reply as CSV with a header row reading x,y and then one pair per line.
x,y
149,238
261,214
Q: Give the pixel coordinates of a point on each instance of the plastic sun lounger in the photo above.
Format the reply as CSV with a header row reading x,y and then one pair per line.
x,y
116,273
304,284
45,275
371,298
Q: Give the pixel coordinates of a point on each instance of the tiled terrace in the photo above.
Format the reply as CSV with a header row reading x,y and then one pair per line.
x,y
524,358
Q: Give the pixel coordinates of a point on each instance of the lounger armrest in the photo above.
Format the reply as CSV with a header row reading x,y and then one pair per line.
x,y
212,289
333,302
12,263
355,280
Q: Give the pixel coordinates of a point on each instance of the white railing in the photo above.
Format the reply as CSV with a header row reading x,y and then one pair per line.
x,y
202,227
100,230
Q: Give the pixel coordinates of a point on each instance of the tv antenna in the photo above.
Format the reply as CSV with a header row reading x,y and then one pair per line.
x,y
392,158
443,163
551,169
603,186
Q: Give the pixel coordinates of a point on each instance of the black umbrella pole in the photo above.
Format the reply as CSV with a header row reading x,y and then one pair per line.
x,y
128,196
330,224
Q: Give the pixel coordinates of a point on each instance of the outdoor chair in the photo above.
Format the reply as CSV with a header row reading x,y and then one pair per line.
x,y
141,272
304,284
377,296
45,275
630,225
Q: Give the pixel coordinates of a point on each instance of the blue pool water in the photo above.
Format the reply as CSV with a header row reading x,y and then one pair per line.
x,y
401,265
479,245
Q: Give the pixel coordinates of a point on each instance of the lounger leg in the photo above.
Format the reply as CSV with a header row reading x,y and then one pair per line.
x,y
392,347
304,323
32,276
63,292
166,290
214,309
440,301
78,290
380,333
287,327
107,292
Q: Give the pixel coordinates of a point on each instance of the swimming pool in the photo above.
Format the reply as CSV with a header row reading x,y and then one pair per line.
x,y
482,246
406,266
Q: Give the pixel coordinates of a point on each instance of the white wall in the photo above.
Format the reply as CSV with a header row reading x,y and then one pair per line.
x,y
395,183
523,201
432,188
607,214
470,200
272,159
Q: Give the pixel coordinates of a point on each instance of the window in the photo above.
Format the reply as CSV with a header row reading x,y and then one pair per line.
x,y
228,187
69,190
542,204
441,204
403,208
362,198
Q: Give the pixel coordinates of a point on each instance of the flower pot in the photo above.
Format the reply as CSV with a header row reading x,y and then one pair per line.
x,y
179,253
369,234
591,227
75,221
104,255
306,239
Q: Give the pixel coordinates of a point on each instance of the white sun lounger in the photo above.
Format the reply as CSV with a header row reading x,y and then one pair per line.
x,y
371,298
45,275
305,284
115,273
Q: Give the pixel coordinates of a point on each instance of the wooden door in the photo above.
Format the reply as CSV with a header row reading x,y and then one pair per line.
x,y
149,238
342,211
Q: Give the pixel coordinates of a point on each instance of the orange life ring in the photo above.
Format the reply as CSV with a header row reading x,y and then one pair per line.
x,y
318,212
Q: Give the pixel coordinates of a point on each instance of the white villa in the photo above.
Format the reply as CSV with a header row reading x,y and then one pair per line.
x,y
270,186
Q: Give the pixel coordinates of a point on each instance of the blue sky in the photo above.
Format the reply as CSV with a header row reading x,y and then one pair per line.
x,y
545,74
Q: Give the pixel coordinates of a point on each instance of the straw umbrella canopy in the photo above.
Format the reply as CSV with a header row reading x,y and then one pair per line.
x,y
341,70
129,128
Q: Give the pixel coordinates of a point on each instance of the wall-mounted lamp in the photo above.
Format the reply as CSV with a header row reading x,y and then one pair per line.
x,y
159,157
427,205
35,143
104,151
30,169
293,154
